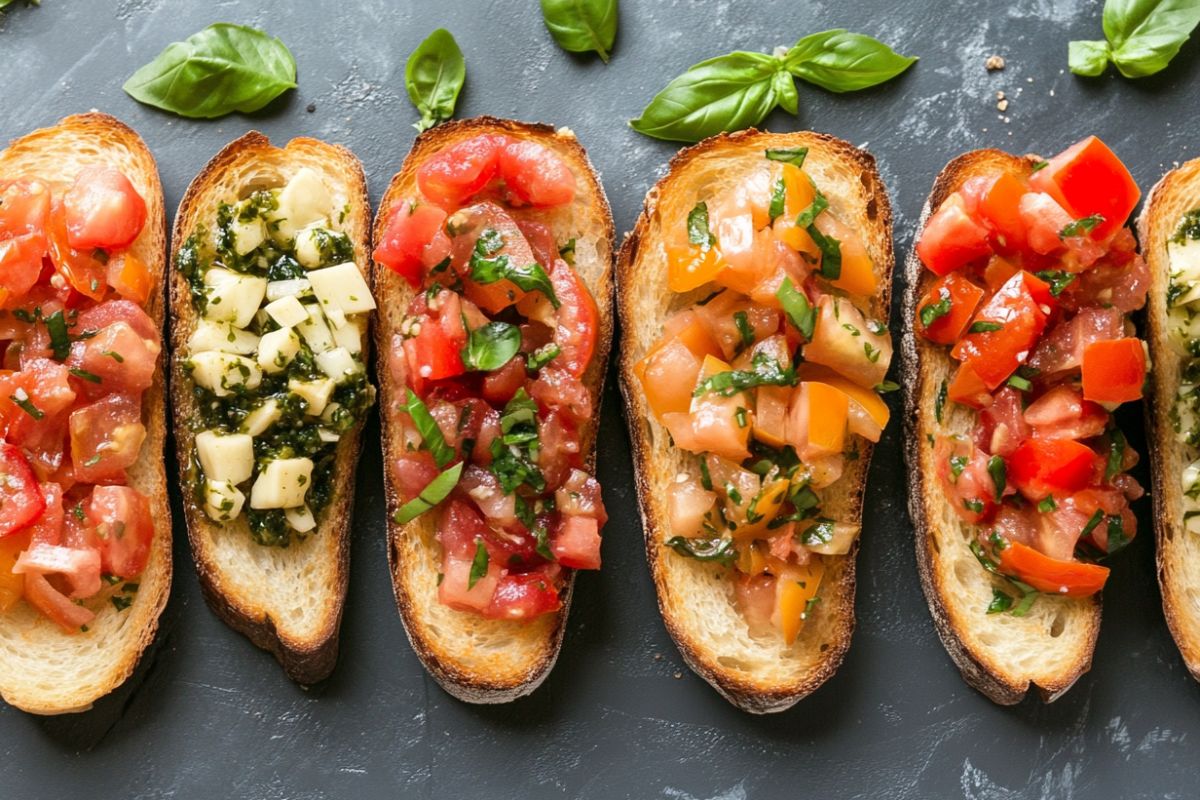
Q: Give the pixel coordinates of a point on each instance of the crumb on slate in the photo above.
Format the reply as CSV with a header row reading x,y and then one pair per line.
x,y
678,675
311,108
994,63
1001,102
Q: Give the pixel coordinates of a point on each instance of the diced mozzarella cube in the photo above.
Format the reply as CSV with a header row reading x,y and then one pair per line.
x,y
248,234
225,457
287,311
221,373
293,287
302,202
222,500
315,393
277,349
301,519
232,296
309,241
315,331
341,287
337,363
328,436
350,335
261,418
329,411
221,336
283,483
1185,260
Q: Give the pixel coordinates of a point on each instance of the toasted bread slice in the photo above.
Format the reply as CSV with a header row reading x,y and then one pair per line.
x,y
1000,655
1178,550
42,669
759,674
287,600
475,659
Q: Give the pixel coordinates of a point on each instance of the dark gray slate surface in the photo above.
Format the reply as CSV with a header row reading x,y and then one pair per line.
x,y
209,715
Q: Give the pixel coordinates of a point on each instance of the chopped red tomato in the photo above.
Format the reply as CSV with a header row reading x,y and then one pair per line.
x,y
998,204
79,567
535,175
1061,413
1043,467
1050,575
54,604
576,321
1114,370
456,173
952,239
435,351
1004,331
120,358
85,270
1088,179
409,235
124,528
129,277
103,210
106,437
524,596
967,388
576,543
500,385
948,305
21,500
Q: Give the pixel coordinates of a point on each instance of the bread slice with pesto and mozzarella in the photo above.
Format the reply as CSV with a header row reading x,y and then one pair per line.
x,y
270,301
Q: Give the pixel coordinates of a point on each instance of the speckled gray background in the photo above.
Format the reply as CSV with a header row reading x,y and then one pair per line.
x,y
208,715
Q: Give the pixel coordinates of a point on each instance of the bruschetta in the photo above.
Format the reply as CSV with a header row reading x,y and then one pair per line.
x,y
1169,230
493,265
753,297
270,301
1018,346
85,528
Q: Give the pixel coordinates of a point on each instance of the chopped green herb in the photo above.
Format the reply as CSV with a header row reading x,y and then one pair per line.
x,y
427,427
83,374
1019,383
939,405
799,311
715,548
1116,454
1081,226
435,492
932,312
999,472
697,226
1001,602
985,327
25,404
886,387
60,340
741,321
479,565
488,265
766,372
1058,279
1047,504
778,198
788,155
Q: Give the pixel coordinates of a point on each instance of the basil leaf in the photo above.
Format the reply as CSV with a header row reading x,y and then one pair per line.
x,y
999,472
433,77
1080,226
427,427
1001,602
485,269
1143,36
795,304
1058,279
716,548
788,155
697,226
932,312
778,199
939,404
726,93
1116,455
984,326
806,217
435,492
60,340
582,26
766,372
1087,58
479,565
841,61
491,346
831,253
222,69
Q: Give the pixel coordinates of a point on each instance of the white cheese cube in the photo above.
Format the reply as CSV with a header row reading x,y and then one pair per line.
x,y
225,457
343,288
248,234
293,287
315,331
222,373
350,335
328,413
261,418
222,500
277,349
301,519
315,393
337,363
308,243
287,311
221,336
328,436
303,201
1185,261
283,483
232,296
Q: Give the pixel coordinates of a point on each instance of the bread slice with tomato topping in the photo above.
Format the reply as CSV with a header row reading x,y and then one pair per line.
x,y
286,596
475,656
1002,655
1169,230
758,671
42,669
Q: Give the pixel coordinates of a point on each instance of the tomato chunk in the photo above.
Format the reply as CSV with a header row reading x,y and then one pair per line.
x,y
949,305
21,500
576,321
1114,370
409,232
106,437
524,596
54,604
124,527
1051,575
576,543
951,239
1086,179
1004,331
103,210
455,173
1042,467
535,175
1000,206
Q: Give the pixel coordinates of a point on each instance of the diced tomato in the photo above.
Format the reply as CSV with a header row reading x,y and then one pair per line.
x,y
535,175
436,351
1046,224
580,496
24,205
1114,370
412,472
1043,467
719,318
468,225
100,316
130,277
1088,178
103,210
501,384
951,239
37,423
950,301
816,424
120,358
20,266
999,205
857,276
79,567
558,452
668,376
1061,348
963,474
1050,575
453,174
712,422
840,341
995,352
106,437
54,604
688,502
690,266
83,270
1061,413
48,528
21,500
557,388
967,388
1002,425
577,320
524,596
409,234
12,586
124,527
498,508
576,543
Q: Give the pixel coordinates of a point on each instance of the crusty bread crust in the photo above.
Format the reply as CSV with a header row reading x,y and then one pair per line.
x,y
475,659
1178,551
286,600
757,674
1000,655
42,669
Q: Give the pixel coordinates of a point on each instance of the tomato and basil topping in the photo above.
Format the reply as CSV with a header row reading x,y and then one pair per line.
x,y
78,352
769,382
1183,321
1034,277
276,360
491,355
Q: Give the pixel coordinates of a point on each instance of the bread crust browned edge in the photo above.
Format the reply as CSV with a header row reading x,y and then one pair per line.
x,y
306,662
154,400
975,670
462,683
755,698
1160,435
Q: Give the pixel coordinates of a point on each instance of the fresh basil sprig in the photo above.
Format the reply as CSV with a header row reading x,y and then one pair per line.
x,y
491,346
738,90
1142,36
488,267
222,69
433,76
582,26
800,312
435,492
428,428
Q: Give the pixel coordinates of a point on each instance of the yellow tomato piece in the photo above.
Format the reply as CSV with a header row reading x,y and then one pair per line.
x,y
867,398
857,275
761,509
12,586
770,414
690,267
796,586
828,409
751,560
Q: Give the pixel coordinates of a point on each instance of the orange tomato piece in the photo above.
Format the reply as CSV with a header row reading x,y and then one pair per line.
x,y
690,267
817,419
871,402
795,587
130,277
770,414
1051,575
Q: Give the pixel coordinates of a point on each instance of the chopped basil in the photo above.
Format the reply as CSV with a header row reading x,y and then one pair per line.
x,y
939,404
973,505
83,374
999,472
1028,593
542,356
1019,383
1047,504
809,215
1058,279
957,465
741,321
491,346
715,548
1116,454
60,340
21,398
778,198
705,477
427,427
1092,523
766,372
788,155
1039,166
1001,602
985,327
488,267
435,492
1116,534
871,352
932,312
799,311
886,387
121,602
819,533
515,451
1081,226
740,416
567,251
479,564
697,226
115,356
